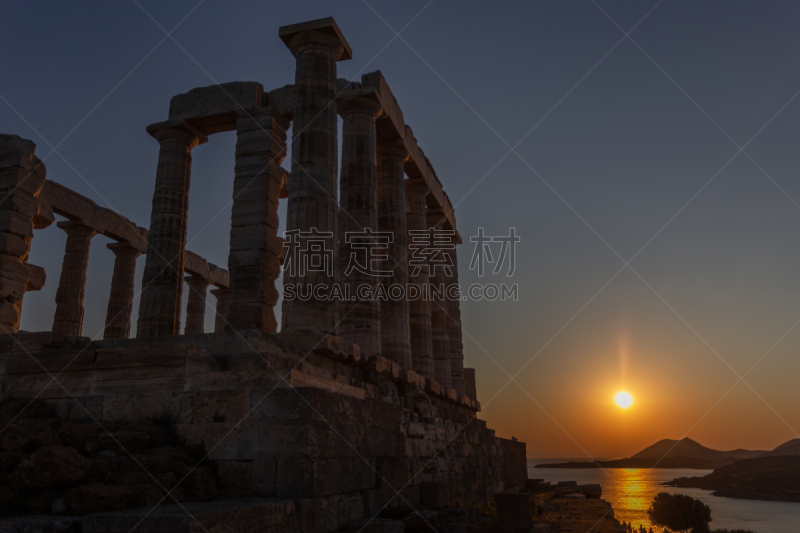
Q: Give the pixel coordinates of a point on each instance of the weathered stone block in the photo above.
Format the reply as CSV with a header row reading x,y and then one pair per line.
x,y
434,494
302,477
223,101
254,515
228,406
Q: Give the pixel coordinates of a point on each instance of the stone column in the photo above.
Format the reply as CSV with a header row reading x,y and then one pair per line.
x,y
395,333
358,221
454,330
162,282
469,384
196,304
419,309
440,320
120,301
69,296
223,295
255,249
317,46
22,177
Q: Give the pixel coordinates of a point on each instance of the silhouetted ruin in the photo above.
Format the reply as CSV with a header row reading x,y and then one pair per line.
x,y
357,406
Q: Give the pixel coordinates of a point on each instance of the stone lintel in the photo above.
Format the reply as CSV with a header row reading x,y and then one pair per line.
x,y
195,265
325,25
391,125
214,108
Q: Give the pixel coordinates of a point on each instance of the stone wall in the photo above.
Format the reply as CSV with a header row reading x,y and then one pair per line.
x,y
291,416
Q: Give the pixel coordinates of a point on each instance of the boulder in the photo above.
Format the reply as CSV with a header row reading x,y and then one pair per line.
x,y
532,483
8,460
99,497
50,466
544,486
593,491
566,483
146,496
82,437
29,435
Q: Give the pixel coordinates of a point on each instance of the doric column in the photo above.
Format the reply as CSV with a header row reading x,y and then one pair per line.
x,y
317,46
395,333
223,296
120,300
196,304
162,283
454,329
71,285
440,320
255,249
22,177
358,221
469,384
419,309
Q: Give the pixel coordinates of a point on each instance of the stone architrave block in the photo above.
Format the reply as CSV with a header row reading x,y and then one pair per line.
x,y
214,108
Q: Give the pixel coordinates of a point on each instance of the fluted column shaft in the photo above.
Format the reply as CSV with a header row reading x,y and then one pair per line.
x,y
196,304
395,332
440,320
419,310
312,183
222,294
255,249
120,299
454,330
358,213
71,285
162,282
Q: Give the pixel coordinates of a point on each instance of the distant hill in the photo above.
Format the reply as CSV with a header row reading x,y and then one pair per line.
x,y
669,453
770,477
791,447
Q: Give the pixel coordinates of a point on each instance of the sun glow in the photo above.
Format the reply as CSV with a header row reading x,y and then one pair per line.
x,y
623,399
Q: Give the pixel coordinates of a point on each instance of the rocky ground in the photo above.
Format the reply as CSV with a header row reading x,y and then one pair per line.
x,y
52,470
52,467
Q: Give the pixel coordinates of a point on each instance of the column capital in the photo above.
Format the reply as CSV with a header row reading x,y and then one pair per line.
x,y
76,227
124,249
364,101
393,150
220,291
320,33
197,281
179,129
416,186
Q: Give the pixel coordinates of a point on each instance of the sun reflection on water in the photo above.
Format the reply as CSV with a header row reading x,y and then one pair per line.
x,y
631,491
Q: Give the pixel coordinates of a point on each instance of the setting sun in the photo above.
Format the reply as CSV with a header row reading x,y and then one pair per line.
x,y
623,399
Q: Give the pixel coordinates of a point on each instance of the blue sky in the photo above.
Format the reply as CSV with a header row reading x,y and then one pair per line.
x,y
627,147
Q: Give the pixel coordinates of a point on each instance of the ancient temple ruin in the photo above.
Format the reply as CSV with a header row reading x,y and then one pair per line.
x,y
348,409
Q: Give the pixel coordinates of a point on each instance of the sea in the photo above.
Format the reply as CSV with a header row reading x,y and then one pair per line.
x,y
630,491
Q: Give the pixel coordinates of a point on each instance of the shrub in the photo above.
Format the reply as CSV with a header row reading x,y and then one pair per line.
x,y
680,512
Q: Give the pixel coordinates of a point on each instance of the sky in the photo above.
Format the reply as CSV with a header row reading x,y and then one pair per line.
x,y
644,152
